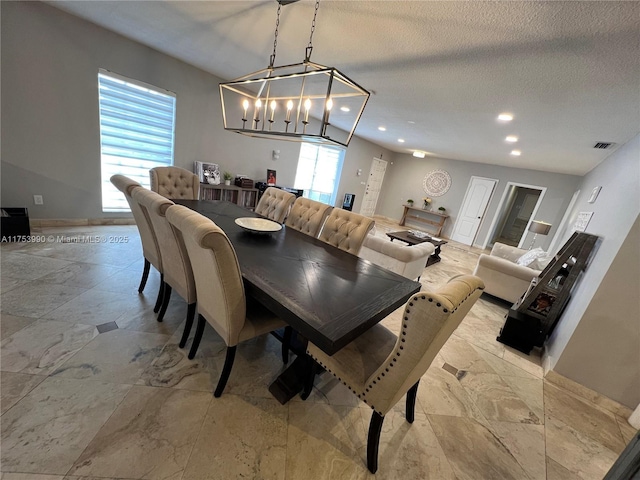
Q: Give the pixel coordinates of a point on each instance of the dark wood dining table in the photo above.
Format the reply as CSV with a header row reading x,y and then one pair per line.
x,y
327,295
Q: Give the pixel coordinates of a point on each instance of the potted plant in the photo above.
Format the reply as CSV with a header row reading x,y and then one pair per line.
x,y
227,178
442,210
410,202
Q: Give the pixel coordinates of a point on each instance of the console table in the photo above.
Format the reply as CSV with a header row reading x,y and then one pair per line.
x,y
434,220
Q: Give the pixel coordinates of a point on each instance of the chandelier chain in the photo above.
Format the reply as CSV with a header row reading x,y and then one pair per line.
x,y
313,23
272,59
309,48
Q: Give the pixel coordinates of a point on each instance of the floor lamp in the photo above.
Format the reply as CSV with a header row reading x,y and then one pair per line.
x,y
538,227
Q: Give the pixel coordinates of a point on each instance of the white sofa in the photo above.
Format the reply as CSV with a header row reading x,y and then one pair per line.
x,y
408,261
502,276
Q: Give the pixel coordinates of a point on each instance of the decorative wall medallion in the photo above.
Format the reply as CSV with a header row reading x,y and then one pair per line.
x,y
436,183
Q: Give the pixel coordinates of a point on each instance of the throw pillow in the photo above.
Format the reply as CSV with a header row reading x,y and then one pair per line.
x,y
528,258
541,262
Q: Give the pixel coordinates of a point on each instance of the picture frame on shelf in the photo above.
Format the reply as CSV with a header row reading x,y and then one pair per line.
x,y
207,172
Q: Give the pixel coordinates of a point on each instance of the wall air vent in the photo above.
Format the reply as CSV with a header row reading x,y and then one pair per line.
x,y
603,145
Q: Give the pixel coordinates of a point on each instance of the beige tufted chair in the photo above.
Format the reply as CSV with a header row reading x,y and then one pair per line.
x,y
219,286
274,204
307,216
346,230
175,182
150,248
178,275
380,366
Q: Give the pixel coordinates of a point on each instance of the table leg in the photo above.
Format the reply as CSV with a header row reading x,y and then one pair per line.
x,y
291,381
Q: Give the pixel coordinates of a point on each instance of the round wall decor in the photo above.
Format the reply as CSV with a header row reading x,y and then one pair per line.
x,y
436,183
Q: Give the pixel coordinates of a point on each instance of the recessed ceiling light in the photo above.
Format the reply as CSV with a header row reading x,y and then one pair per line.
x,y
516,153
382,129
411,122
511,139
345,109
419,154
401,140
505,117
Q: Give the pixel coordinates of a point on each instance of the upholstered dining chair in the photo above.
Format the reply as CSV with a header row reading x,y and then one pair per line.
x,y
178,275
380,366
150,248
274,204
346,230
307,216
220,289
175,182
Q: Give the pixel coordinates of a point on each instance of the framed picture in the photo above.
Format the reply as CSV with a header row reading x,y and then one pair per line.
x,y
271,177
542,304
207,172
582,221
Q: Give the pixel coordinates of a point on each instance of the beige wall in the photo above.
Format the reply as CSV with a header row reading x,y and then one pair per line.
x,y
404,180
597,340
50,130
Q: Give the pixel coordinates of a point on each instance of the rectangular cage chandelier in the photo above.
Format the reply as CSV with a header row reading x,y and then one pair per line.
x,y
303,102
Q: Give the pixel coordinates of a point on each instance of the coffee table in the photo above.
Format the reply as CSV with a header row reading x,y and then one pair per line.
x,y
404,236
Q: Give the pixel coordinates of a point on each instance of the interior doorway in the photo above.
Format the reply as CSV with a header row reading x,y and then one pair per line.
x,y
372,190
517,209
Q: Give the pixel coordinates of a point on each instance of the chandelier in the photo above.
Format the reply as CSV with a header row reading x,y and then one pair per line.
x,y
302,102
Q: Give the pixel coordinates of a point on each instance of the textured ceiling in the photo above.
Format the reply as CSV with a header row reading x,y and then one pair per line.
x,y
568,71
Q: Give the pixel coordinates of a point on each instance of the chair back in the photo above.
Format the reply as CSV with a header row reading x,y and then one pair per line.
x,y
175,182
274,204
346,230
429,320
219,287
176,265
150,248
307,216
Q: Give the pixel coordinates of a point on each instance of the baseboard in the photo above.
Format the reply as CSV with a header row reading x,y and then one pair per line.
x,y
591,395
78,222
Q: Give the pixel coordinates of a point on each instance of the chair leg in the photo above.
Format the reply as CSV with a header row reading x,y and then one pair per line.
x,y
373,442
156,309
145,275
286,341
226,370
191,313
165,301
308,381
197,337
411,402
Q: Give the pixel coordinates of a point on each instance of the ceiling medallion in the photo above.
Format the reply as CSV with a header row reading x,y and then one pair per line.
x,y
294,102
436,183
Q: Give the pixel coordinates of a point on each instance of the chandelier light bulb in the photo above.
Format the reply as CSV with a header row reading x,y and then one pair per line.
x,y
273,109
307,107
289,107
245,105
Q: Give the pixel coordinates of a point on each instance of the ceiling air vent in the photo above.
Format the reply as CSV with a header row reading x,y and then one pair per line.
x,y
603,145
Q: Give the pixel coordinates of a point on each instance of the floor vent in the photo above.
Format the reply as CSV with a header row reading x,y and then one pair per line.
x,y
604,145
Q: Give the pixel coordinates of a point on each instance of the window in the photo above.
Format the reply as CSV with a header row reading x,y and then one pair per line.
x,y
137,124
318,173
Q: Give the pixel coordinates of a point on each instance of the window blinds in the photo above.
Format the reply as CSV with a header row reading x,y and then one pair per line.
x,y
137,124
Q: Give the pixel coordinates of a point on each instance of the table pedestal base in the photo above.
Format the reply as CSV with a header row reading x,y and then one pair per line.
x,y
291,381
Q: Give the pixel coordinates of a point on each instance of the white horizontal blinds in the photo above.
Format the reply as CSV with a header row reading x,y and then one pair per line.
x,y
137,124
318,172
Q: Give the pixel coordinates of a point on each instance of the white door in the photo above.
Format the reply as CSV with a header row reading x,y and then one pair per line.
x,y
372,190
473,208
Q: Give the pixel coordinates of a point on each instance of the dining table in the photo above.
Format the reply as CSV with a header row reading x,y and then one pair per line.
x,y
328,296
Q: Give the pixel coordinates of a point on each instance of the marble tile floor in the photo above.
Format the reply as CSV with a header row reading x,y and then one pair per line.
x,y
92,387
